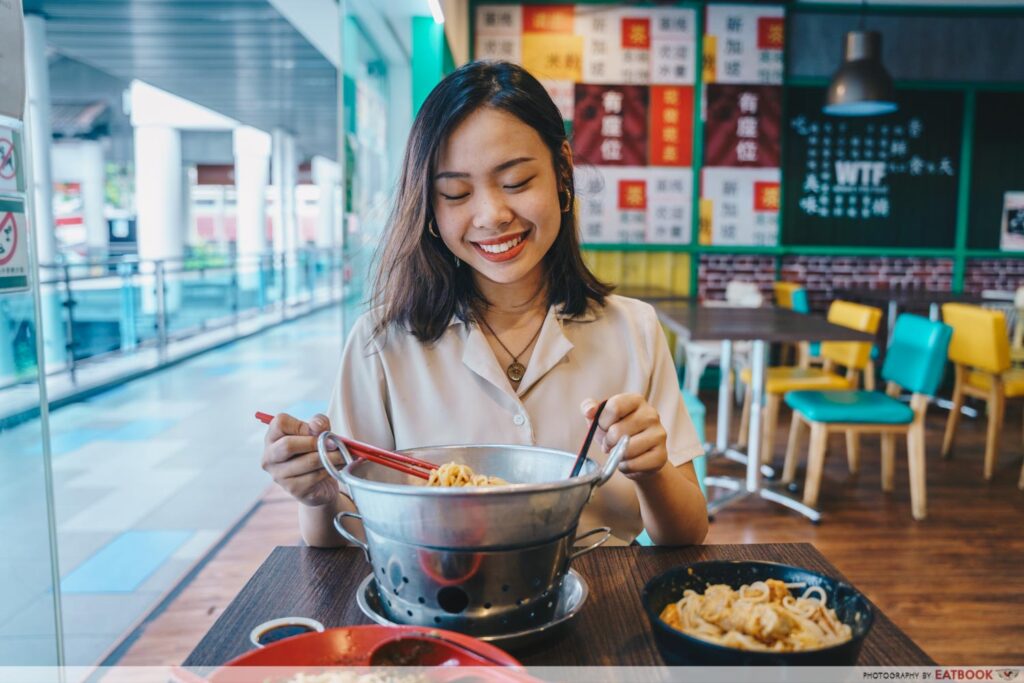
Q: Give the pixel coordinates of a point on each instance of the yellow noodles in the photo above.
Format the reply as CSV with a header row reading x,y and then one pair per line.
x,y
761,616
454,474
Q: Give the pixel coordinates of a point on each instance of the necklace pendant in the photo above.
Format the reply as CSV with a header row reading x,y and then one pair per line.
x,y
515,371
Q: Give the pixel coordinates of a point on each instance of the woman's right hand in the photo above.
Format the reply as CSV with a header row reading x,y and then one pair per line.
x,y
291,458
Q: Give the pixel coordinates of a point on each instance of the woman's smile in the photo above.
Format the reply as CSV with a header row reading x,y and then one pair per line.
x,y
504,248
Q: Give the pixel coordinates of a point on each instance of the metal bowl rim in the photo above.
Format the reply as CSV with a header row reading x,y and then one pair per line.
x,y
472,491
715,647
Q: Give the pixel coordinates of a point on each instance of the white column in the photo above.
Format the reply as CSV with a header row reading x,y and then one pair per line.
x,y
326,176
82,162
158,192
285,172
94,181
252,166
37,111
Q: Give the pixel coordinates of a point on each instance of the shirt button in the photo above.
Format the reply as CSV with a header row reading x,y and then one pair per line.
x,y
519,420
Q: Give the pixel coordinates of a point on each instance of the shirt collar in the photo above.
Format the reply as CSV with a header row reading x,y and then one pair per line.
x,y
551,348
589,315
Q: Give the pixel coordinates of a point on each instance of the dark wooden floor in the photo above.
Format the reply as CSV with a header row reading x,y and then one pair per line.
x,y
954,583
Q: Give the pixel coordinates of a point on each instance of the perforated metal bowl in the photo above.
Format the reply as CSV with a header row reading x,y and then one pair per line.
x,y
480,560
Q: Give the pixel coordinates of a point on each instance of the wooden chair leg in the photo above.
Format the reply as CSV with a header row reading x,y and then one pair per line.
x,y
748,398
996,410
853,451
954,412
916,464
796,434
888,460
769,426
815,463
1020,483
869,376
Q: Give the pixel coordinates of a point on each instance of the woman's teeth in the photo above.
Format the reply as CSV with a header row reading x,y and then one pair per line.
x,y
503,247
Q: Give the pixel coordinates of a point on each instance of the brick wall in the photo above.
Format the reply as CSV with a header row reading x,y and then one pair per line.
x,y
716,270
823,274
1006,274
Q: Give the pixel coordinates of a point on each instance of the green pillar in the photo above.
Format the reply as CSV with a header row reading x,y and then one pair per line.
x,y
431,58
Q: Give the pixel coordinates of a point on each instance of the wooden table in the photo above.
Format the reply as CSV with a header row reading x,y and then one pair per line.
x,y
762,326
611,630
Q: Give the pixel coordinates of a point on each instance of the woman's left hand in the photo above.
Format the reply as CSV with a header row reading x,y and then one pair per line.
x,y
631,415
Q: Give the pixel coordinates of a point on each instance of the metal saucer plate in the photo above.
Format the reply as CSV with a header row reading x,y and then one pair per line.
x,y
570,601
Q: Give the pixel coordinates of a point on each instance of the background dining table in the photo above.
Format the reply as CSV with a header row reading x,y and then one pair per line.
x,y
611,629
762,326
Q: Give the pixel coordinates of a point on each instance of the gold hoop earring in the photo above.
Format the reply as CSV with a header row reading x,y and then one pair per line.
x,y
432,228
568,201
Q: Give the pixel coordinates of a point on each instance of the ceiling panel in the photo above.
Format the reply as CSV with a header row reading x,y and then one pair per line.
x,y
240,58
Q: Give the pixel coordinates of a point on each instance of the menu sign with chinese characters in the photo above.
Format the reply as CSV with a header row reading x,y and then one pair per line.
x,y
743,44
623,76
742,67
740,206
880,181
634,204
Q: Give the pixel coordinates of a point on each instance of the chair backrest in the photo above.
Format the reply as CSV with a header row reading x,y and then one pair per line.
x,y
801,302
857,317
784,293
979,337
916,356
740,293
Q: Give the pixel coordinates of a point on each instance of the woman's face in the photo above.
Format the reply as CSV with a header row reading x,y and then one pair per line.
x,y
496,197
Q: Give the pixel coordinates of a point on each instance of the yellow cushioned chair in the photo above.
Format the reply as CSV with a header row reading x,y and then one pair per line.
x,y
854,356
980,353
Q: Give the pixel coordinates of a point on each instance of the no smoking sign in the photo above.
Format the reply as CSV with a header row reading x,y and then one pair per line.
x,y
10,162
13,247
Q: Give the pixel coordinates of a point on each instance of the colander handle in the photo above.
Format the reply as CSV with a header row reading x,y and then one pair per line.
x,y
614,458
348,535
606,534
325,460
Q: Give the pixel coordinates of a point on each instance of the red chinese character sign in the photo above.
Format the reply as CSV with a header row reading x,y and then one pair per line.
x,y
743,125
610,125
671,128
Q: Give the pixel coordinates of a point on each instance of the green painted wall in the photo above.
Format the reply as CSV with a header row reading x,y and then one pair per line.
x,y
431,58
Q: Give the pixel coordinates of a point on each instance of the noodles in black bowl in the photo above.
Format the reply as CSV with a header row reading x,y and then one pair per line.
x,y
782,616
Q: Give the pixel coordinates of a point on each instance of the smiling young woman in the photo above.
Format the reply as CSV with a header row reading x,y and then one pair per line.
x,y
487,326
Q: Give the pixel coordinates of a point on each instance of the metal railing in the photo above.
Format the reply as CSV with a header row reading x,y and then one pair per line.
x,y
96,309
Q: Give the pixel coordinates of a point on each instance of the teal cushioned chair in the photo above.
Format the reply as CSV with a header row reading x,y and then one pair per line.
x,y
915,361
697,413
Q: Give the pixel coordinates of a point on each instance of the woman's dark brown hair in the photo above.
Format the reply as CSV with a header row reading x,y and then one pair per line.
x,y
417,284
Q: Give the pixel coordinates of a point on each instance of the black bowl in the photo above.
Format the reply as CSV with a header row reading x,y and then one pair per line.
x,y
679,649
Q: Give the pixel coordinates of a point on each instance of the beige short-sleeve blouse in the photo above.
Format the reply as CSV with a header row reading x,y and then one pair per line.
x,y
397,392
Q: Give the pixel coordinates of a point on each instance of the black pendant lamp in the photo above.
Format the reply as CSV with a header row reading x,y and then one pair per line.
x,y
861,86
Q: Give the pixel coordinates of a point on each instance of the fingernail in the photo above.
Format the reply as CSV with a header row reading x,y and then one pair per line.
x,y
586,405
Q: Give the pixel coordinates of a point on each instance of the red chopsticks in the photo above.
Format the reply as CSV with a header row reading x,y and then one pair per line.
x,y
396,461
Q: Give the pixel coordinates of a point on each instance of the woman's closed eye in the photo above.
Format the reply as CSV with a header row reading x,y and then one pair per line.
x,y
456,197
519,185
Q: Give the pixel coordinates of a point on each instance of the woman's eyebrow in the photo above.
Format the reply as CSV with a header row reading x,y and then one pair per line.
x,y
503,166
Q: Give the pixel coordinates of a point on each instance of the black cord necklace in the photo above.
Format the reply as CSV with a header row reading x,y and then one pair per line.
x,y
515,369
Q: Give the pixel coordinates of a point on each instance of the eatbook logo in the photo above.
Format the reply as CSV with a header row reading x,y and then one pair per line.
x,y
1008,674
